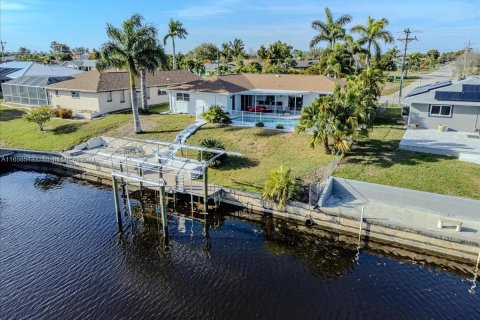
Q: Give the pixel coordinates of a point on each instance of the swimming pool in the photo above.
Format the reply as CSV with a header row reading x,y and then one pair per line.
x,y
288,123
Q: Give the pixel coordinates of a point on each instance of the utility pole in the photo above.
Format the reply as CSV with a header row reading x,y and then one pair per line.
x,y
407,39
218,61
2,44
468,47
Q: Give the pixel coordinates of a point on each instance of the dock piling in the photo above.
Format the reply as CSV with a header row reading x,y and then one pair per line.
x,y
117,202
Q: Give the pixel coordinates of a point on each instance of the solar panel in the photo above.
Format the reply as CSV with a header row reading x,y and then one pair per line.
x,y
428,87
457,96
471,88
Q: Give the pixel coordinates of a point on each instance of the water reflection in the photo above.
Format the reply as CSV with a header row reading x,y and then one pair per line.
x,y
48,182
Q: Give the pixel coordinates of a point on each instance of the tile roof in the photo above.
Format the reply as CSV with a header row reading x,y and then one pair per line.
x,y
94,81
234,83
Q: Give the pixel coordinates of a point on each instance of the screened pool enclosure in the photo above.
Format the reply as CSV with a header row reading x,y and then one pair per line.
x,y
29,90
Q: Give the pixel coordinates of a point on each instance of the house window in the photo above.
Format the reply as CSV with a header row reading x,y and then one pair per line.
x,y
148,93
56,93
75,94
183,97
122,96
161,92
109,96
441,111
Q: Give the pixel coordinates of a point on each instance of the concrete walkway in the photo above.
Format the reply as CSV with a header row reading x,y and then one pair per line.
x,y
411,209
185,134
441,74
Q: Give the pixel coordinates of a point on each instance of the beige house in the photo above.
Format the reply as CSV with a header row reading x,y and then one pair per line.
x,y
91,94
276,94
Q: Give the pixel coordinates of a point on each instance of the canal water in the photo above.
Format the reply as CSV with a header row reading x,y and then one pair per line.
x,y
62,257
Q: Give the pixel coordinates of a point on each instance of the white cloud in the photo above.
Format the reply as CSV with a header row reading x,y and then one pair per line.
x,y
11,5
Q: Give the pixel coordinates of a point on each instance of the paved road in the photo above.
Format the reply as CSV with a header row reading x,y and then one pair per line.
x,y
441,74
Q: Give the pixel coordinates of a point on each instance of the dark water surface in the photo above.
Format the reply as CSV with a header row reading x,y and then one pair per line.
x,y
61,257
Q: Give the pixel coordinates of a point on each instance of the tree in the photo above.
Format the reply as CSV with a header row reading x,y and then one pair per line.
x,y
204,52
126,49
331,30
39,116
433,53
94,55
277,53
226,52
175,30
206,155
280,186
314,118
61,51
413,61
193,65
153,57
387,60
371,34
237,49
333,62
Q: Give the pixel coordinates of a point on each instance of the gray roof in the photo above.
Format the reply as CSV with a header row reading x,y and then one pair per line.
x,y
36,81
28,68
447,92
81,63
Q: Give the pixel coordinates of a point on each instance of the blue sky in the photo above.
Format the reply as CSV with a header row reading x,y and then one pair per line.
x,y
442,24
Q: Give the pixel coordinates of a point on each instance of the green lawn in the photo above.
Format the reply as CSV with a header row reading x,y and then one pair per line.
x,y
263,150
377,159
390,87
62,134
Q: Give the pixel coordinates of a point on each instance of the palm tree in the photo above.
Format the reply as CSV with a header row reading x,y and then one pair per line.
x,y
175,30
226,52
237,48
153,57
125,50
353,48
331,30
371,34
280,186
314,118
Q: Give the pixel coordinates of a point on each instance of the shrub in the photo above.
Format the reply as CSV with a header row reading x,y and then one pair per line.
x,y
39,116
279,126
214,144
215,114
259,124
56,112
65,113
280,186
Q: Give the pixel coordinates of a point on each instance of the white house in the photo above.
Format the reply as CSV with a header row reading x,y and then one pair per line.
x,y
269,93
94,93
454,104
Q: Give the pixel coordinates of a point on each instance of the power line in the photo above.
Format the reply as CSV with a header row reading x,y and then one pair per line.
x,y
468,47
2,44
407,39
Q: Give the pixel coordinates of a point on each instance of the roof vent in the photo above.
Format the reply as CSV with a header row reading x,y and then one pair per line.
x,y
277,75
168,79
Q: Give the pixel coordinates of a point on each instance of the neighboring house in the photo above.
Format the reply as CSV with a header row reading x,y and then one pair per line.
x,y
455,104
275,93
444,118
303,65
24,82
83,64
92,93
212,68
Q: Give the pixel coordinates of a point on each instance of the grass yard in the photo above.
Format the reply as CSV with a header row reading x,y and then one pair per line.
x,y
263,150
377,159
391,87
62,134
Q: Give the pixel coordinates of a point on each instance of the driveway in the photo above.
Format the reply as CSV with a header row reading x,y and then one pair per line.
x,y
441,74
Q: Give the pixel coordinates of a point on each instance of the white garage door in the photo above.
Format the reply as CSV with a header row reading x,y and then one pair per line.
x,y
182,106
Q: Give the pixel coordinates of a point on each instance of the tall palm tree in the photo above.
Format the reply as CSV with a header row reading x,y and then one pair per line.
x,y
371,34
330,30
237,48
175,30
226,51
125,50
153,57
